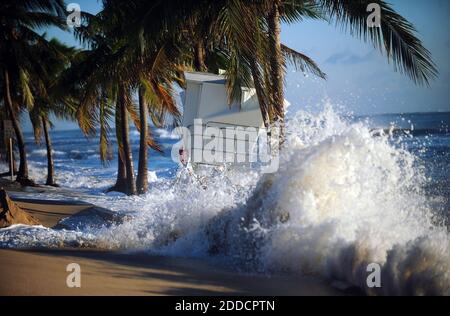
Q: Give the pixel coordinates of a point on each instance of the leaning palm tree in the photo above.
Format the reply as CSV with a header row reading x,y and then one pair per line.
x,y
20,69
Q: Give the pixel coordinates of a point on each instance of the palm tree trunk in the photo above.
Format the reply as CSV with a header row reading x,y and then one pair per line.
x,y
127,155
142,177
121,181
200,56
121,173
50,164
276,64
260,93
22,175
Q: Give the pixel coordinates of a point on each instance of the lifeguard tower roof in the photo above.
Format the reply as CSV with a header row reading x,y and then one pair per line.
x,y
204,77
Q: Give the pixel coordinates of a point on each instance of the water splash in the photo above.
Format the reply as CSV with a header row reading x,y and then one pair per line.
x,y
343,198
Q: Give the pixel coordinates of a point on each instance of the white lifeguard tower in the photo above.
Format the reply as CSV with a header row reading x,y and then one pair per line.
x,y
206,106
206,98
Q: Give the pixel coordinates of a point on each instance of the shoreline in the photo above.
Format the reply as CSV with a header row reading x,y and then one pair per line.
x,y
43,272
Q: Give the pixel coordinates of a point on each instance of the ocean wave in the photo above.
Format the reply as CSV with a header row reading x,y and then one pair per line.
x,y
397,131
43,152
165,134
341,200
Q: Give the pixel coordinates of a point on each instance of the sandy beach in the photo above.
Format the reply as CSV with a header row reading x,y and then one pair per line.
x,y
43,271
256,148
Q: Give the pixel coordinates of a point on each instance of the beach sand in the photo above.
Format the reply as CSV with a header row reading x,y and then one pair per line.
x,y
43,271
49,213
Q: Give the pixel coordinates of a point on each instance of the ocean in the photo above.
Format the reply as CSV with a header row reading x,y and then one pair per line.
x,y
349,191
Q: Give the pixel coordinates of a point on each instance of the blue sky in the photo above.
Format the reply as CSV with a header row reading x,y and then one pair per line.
x,y
359,78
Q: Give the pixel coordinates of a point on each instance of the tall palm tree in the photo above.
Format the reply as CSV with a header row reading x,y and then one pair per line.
x,y
231,35
105,93
395,38
159,71
53,99
123,61
251,30
142,177
100,77
20,69
276,57
252,51
156,63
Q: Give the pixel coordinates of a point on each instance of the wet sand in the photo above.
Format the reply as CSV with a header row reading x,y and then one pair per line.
x,y
43,271
49,213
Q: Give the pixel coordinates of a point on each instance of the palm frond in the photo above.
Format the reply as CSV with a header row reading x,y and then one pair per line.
x,y
27,95
396,36
105,115
36,123
302,62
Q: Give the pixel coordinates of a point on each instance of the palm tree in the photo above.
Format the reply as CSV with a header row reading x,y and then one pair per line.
x,y
155,63
104,93
53,99
395,37
159,70
249,37
253,51
122,61
227,34
99,75
20,69
142,177
123,97
276,58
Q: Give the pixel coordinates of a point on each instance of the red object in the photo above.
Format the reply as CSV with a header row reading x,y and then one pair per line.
x,y
183,156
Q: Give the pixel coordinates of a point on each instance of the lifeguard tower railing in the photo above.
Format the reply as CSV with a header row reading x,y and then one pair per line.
x,y
231,144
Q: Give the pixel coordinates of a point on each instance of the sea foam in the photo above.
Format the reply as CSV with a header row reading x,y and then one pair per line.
x,y
342,199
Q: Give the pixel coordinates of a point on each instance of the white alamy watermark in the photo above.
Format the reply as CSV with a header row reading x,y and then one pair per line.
x,y
73,280
374,278
374,18
74,16
227,144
